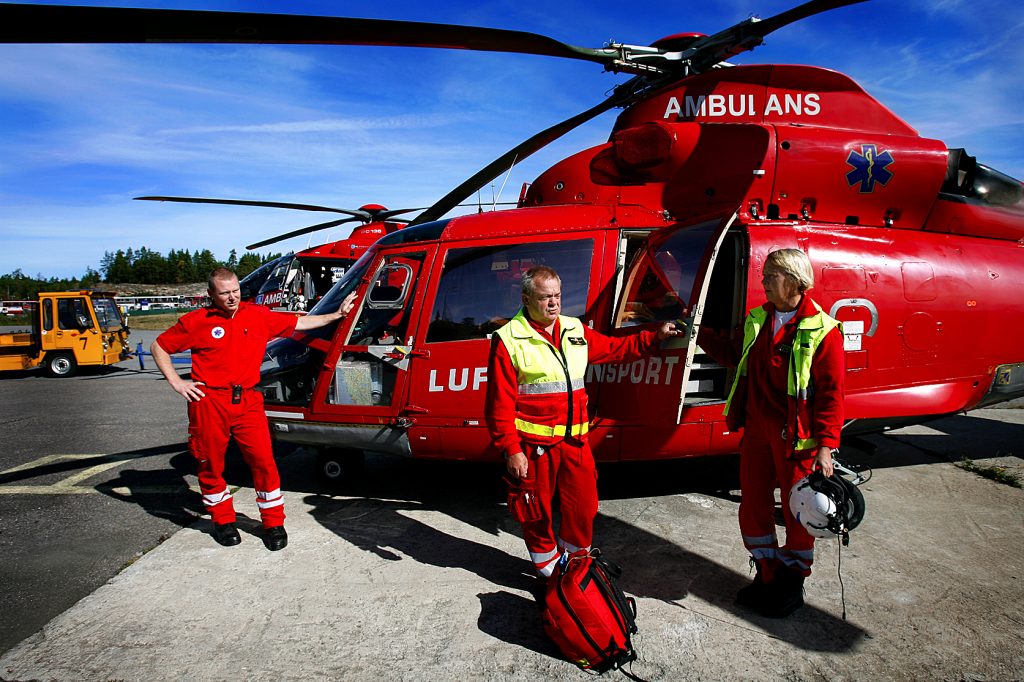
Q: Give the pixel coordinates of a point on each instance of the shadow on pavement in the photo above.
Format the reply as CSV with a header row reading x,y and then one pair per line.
x,y
472,493
948,439
516,620
163,493
61,465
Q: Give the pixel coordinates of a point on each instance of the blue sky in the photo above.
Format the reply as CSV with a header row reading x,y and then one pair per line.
x,y
87,127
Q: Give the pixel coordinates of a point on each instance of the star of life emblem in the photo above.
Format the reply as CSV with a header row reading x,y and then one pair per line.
x,y
217,332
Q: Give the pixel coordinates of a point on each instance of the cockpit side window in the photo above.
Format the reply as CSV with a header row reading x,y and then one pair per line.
x,y
976,182
480,288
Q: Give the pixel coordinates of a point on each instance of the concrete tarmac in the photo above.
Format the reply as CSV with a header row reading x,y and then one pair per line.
x,y
418,573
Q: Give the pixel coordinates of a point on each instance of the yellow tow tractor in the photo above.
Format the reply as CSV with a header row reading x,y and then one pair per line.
x,y
69,329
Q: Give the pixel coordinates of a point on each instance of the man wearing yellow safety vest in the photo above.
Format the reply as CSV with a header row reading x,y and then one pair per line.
x,y
537,413
788,397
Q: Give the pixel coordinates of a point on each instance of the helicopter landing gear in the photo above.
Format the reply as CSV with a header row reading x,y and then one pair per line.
x,y
339,465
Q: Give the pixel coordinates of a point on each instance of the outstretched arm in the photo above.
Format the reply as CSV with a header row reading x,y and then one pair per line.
x,y
315,321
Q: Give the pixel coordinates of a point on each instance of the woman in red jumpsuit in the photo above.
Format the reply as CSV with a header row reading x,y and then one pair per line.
x,y
791,414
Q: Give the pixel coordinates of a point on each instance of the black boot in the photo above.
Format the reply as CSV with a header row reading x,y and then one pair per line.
x,y
784,595
226,534
753,595
275,538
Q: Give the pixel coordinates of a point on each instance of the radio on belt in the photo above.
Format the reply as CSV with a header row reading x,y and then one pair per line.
x,y
236,394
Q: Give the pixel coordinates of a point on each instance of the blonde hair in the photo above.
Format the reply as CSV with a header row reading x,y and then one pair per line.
x,y
794,263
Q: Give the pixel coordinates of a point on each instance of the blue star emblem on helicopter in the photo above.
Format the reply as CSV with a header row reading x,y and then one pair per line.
x,y
869,167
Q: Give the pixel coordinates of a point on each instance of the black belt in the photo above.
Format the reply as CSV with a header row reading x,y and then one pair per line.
x,y
236,391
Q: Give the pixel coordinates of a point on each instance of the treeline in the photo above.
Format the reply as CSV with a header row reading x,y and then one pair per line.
x,y
17,286
138,267
177,267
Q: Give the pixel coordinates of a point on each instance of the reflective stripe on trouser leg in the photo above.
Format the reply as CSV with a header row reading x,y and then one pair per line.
x,y
539,535
799,560
220,506
762,547
570,548
268,499
213,499
545,562
757,502
271,505
208,434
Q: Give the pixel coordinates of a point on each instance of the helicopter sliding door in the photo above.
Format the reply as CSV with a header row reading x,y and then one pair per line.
x,y
667,282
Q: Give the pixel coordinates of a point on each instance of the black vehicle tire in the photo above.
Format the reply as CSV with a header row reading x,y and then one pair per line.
x,y
61,364
337,465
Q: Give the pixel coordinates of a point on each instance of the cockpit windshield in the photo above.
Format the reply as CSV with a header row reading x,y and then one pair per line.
x,y
976,182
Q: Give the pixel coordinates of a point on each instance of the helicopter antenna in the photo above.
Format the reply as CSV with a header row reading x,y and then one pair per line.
x,y
494,204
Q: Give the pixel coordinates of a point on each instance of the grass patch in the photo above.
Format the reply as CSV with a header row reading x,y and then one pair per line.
x,y
158,322
994,473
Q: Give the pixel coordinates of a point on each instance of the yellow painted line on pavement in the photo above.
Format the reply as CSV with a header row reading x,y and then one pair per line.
x,y
70,485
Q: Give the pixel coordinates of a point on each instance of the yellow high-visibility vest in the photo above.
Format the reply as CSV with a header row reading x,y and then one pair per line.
x,y
552,397
810,331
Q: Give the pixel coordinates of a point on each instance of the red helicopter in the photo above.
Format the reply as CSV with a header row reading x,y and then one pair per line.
x,y
709,167
296,281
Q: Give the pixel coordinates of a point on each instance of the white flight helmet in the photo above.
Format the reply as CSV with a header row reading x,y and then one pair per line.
x,y
827,507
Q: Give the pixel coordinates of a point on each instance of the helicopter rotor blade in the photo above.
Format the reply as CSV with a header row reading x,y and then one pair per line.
x,y
24,23
380,216
299,232
705,52
454,198
356,213
708,51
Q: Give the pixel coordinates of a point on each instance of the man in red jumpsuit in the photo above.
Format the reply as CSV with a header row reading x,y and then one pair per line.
x,y
537,412
228,341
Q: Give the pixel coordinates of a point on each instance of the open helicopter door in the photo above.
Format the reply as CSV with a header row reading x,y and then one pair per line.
x,y
667,281
369,371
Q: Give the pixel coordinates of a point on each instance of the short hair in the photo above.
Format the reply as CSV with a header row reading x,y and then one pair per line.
x,y
219,273
794,263
538,272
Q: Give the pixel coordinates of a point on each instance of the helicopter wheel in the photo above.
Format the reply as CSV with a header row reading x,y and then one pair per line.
x,y
338,465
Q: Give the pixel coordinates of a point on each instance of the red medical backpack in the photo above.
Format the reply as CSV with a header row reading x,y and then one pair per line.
x,y
587,615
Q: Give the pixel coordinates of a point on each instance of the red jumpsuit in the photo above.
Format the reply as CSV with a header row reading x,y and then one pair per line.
x,y
567,465
767,459
228,352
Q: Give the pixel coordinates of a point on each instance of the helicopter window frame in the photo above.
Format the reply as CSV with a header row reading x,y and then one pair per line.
x,y
251,284
662,253
331,301
386,271
371,327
